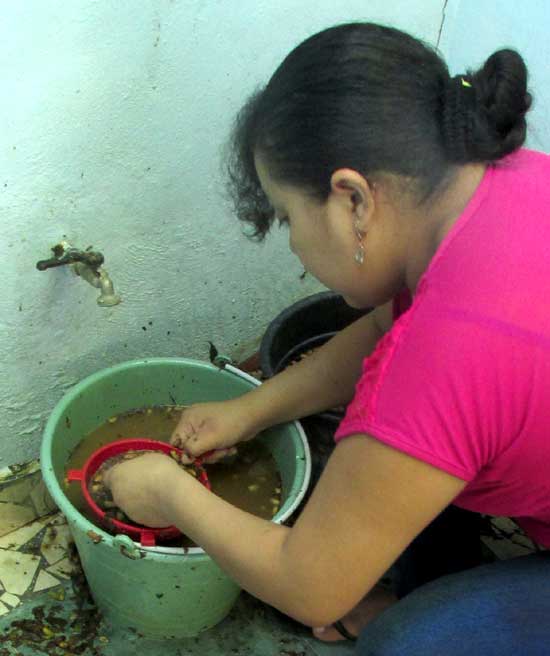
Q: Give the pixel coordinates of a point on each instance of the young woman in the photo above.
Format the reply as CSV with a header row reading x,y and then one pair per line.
x,y
405,189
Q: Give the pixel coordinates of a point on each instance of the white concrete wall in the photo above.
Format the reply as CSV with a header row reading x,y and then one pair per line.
x,y
474,29
111,122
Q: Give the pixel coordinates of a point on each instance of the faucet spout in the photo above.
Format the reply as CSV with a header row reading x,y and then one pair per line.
x,y
99,278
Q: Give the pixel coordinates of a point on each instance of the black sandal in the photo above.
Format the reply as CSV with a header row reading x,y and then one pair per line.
x,y
343,631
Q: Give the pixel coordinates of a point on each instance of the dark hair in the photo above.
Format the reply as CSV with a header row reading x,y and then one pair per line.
x,y
376,100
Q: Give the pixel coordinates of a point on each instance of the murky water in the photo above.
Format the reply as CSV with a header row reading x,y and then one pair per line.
x,y
249,481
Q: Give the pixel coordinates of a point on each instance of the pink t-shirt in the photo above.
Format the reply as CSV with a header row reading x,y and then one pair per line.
x,y
462,380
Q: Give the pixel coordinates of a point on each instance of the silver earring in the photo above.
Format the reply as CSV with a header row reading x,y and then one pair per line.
x,y
359,256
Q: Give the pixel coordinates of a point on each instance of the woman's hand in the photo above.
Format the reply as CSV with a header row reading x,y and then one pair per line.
x,y
137,486
214,426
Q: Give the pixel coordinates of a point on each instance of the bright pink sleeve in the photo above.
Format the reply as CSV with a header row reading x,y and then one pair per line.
x,y
439,389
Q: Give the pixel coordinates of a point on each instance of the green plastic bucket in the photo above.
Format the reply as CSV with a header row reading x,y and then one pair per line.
x,y
160,592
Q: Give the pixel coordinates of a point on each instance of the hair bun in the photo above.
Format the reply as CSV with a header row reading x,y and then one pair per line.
x,y
484,112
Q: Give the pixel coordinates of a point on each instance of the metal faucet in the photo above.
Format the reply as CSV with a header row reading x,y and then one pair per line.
x,y
87,265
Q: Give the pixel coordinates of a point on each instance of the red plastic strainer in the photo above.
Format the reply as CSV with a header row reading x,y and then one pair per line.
x,y
147,536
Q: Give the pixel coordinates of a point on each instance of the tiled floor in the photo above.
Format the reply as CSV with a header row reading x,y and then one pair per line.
x,y
45,606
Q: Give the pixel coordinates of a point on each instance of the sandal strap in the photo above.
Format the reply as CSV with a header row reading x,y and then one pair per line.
x,y
343,631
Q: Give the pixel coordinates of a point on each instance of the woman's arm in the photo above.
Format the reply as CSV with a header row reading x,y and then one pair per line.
x,y
325,379
370,503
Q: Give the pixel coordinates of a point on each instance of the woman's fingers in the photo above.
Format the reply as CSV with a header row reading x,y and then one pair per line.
x,y
195,442
208,427
202,441
183,431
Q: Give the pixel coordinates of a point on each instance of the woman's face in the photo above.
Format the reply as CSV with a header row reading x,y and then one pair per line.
x,y
327,235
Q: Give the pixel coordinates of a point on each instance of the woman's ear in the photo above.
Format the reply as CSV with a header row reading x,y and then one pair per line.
x,y
353,192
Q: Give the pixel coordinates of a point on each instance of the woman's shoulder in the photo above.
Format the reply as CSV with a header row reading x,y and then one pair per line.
x,y
497,255
532,165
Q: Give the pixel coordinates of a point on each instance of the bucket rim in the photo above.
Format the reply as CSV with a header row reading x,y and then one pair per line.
x,y
67,508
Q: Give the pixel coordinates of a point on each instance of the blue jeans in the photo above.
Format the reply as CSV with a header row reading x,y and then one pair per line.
x,y
498,609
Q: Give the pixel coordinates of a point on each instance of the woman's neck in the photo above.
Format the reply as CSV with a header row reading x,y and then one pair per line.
x,y
438,220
